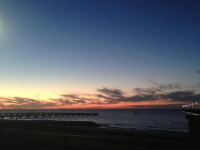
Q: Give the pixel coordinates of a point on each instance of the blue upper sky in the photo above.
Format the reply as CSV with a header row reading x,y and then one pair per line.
x,y
78,46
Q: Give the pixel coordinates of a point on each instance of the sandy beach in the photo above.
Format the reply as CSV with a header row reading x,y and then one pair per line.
x,y
86,135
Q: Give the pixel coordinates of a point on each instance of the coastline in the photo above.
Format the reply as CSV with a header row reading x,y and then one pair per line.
x,y
88,127
80,135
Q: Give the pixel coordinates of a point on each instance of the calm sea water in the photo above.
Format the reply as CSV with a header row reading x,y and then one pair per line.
x,y
172,120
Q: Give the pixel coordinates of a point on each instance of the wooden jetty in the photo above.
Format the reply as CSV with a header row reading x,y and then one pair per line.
x,y
43,114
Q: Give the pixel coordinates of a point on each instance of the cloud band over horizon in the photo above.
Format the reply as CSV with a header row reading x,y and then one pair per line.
x,y
160,96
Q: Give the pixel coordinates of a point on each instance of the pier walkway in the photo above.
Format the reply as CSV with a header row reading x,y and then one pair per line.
x,y
43,114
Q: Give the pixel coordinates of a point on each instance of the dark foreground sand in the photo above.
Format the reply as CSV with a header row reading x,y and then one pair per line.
x,y
18,134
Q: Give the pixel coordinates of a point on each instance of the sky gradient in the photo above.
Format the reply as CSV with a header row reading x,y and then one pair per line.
x,y
99,54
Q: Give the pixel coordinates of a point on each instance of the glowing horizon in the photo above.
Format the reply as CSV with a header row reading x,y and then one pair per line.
x,y
164,96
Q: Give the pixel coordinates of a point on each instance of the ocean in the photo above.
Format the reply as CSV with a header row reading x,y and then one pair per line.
x,y
151,119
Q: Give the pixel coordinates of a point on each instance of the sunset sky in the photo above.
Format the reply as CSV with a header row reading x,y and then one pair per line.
x,y
99,54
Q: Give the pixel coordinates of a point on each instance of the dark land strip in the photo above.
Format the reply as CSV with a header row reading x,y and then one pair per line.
x,y
46,134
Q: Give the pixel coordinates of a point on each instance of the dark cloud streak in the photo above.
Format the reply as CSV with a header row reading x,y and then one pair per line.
x,y
24,103
114,93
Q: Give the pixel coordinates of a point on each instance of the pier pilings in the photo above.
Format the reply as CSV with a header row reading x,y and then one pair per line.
x,y
37,115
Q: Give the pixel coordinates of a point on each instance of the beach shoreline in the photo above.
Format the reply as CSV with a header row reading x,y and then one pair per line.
x,y
88,127
89,135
